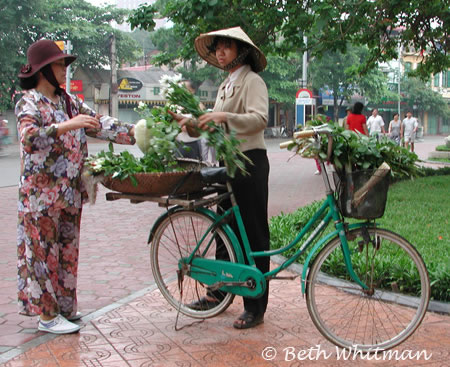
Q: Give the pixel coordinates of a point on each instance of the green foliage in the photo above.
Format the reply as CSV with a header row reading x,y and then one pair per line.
x,y
418,210
443,148
415,93
142,18
338,72
281,76
160,156
279,26
86,26
353,151
443,160
285,227
225,144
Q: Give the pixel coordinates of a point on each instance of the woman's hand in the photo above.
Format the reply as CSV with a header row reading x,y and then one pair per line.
x,y
216,117
178,118
78,122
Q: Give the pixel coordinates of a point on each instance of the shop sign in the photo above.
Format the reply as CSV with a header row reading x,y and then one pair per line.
x,y
129,84
75,86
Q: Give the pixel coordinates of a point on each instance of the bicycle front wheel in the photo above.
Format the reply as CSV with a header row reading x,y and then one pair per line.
x,y
385,314
175,238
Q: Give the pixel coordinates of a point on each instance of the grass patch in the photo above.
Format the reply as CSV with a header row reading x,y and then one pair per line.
x,y
445,160
418,210
442,148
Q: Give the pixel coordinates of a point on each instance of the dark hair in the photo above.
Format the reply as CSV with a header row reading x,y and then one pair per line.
x,y
29,83
357,108
241,46
396,114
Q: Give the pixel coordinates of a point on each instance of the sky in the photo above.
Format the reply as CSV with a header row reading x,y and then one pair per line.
x,y
100,2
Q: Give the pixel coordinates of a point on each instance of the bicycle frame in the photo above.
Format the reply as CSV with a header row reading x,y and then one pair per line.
x,y
328,208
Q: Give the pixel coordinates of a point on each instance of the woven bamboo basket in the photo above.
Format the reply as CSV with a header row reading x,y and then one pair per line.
x,y
162,183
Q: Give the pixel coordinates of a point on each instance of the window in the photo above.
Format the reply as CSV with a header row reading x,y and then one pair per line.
x,y
446,83
436,80
203,93
156,91
408,67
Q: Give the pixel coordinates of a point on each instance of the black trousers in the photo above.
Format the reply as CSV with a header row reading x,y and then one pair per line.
x,y
252,195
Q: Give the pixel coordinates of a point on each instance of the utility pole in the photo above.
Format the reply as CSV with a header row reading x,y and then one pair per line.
x,y
68,48
305,64
114,103
399,77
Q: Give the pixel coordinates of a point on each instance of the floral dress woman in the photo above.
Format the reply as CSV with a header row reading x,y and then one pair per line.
x,y
52,135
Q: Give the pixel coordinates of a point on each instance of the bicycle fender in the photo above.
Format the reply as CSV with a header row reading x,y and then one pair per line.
x,y
318,245
228,231
226,228
159,220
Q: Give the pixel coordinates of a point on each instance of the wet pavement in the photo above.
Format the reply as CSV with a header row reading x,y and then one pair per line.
x,y
127,321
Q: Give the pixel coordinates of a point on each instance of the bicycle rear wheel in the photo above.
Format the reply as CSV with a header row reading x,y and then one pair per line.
x,y
388,312
175,238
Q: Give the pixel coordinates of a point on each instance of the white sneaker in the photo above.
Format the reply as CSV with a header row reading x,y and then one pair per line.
x,y
59,325
317,172
75,317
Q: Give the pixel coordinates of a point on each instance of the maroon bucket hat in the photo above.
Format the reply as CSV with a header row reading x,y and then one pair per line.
x,y
42,53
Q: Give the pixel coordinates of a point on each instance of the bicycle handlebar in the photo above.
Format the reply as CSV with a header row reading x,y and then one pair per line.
x,y
304,134
308,134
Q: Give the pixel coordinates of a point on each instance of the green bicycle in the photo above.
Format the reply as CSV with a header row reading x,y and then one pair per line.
x,y
367,303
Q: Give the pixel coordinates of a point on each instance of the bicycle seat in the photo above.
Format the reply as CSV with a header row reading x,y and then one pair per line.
x,y
212,175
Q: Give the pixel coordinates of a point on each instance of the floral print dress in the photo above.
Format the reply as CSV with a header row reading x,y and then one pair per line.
x,y
51,195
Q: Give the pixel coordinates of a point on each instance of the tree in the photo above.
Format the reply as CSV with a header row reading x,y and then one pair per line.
x,y
281,76
86,26
279,26
423,98
337,72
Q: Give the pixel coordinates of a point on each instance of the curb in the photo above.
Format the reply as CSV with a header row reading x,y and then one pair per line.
x,y
433,306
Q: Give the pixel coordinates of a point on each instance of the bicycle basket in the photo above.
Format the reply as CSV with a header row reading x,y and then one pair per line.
x,y
162,183
372,204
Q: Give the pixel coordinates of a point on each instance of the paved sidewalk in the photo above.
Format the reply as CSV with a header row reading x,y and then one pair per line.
x,y
129,324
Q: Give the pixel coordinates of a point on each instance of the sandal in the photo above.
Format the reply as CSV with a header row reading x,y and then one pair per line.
x,y
248,320
204,304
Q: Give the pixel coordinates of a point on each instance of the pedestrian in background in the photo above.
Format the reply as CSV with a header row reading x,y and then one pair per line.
x,y
356,121
348,111
52,127
395,129
4,133
408,130
375,124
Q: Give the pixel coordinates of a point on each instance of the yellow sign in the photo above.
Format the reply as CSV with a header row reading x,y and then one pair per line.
x,y
125,85
60,44
129,84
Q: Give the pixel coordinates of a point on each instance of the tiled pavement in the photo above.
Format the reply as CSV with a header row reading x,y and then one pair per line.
x,y
129,324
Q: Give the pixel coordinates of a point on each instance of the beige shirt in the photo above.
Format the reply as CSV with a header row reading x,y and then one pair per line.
x,y
247,105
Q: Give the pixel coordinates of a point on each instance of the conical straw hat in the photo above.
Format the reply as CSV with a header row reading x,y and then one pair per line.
x,y
206,39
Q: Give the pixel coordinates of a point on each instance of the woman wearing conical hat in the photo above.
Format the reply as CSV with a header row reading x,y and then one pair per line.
x,y
242,105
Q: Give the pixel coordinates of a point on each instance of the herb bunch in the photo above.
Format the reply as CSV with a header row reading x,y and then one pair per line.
x,y
353,151
225,144
159,157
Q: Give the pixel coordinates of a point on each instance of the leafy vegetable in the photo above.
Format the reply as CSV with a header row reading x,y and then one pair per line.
x,y
353,151
160,149
225,144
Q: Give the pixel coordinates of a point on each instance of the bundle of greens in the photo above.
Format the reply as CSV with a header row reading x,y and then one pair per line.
x,y
157,141
353,151
226,145
156,136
